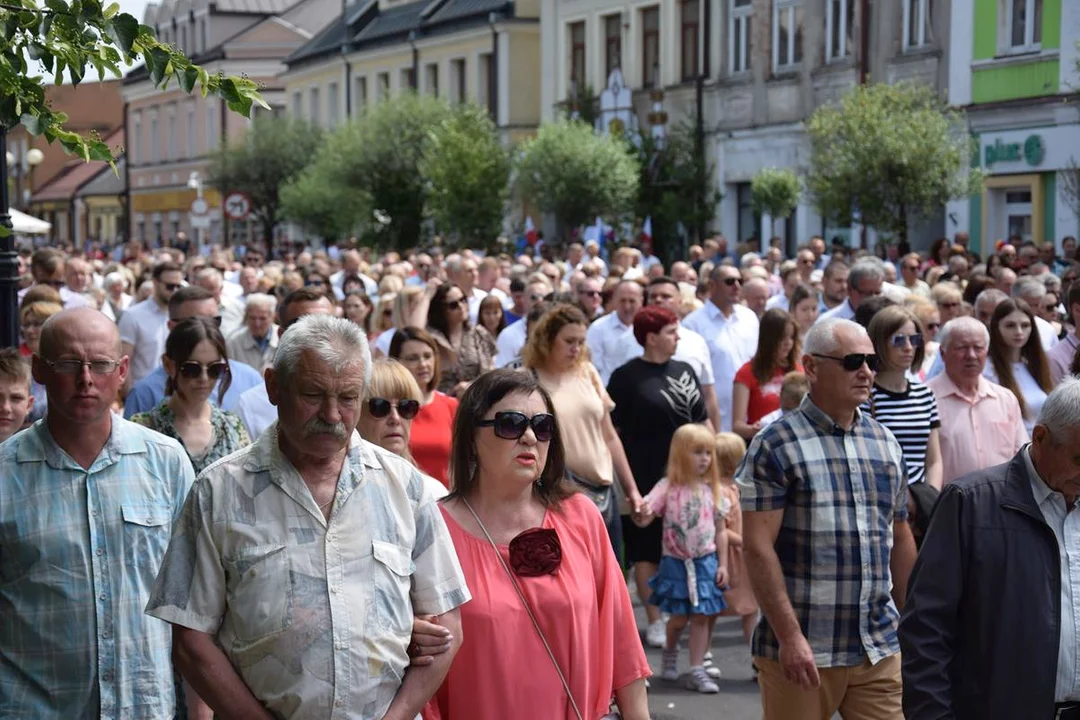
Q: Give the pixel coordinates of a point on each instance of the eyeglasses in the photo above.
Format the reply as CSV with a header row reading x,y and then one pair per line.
x,y
192,370
899,340
314,283
589,293
380,408
933,326
732,281
74,367
854,361
948,305
1050,307
454,304
171,287
511,425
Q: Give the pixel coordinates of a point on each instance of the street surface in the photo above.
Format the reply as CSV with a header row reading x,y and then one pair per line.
x,y
738,698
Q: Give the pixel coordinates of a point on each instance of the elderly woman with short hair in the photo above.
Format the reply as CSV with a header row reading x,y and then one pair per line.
x,y
551,634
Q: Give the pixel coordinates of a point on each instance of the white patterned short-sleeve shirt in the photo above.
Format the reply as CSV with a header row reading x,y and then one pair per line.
x,y
315,615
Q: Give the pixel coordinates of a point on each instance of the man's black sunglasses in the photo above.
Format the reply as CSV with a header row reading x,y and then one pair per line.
x,y
853,361
511,425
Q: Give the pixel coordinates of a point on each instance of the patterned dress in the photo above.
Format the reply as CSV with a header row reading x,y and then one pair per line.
x,y
229,434
474,357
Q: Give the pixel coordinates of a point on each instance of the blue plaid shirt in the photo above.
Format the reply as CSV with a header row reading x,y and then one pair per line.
x,y
79,551
840,490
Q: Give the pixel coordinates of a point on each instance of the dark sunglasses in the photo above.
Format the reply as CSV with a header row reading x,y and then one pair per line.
x,y
452,304
511,425
731,282
171,287
933,326
192,370
899,339
380,408
589,293
854,361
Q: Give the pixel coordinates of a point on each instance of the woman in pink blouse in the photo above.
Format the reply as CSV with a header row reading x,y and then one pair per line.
x,y
518,529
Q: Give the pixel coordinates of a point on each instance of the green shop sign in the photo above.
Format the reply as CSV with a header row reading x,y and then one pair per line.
x,y
1030,151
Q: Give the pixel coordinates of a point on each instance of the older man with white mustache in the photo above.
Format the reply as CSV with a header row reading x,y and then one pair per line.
x,y
298,563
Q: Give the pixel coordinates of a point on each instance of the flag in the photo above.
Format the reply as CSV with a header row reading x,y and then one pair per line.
x,y
531,236
646,235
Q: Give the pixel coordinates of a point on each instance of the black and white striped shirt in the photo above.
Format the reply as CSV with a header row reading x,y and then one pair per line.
x,y
910,416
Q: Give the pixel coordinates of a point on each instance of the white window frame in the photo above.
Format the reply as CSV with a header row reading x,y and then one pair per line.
x,y
739,18
790,7
831,28
1005,26
922,18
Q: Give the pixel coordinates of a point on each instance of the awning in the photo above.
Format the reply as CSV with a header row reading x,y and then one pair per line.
x,y
24,224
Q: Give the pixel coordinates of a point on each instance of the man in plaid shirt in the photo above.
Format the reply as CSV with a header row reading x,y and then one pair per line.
x,y
824,492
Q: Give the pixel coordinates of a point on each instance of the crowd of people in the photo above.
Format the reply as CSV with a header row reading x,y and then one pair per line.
x,y
342,483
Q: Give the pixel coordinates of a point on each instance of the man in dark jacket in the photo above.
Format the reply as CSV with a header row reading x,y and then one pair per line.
x,y
991,627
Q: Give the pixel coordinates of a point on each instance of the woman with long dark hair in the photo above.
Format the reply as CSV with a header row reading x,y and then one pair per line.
x,y
195,362
551,625
757,383
1016,358
465,351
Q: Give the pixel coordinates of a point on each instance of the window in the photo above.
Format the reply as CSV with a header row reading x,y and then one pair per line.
x,y
612,44
483,93
153,137
1025,24
314,110
917,15
690,33
431,79
297,106
407,81
787,33
650,47
171,130
360,100
840,29
202,31
740,15
383,82
183,38
457,80
136,139
577,54
331,105
211,127
189,131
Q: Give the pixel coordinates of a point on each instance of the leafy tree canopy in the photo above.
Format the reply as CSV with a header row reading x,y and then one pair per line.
x,y
74,38
576,174
467,169
890,152
775,192
273,152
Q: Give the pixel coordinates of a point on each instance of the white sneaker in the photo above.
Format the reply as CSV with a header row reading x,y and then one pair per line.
x,y
671,664
700,682
710,669
656,634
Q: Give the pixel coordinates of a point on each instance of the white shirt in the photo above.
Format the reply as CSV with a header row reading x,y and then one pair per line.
x,y
1047,336
692,350
145,326
606,340
474,304
1033,394
1066,527
382,343
732,342
510,343
370,286
232,314
778,302
505,300
844,311
255,411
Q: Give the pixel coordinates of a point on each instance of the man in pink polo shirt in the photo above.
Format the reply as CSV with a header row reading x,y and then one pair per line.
x,y
981,423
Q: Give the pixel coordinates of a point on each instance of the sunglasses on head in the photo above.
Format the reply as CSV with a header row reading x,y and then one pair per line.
x,y
899,339
380,408
854,361
192,370
511,425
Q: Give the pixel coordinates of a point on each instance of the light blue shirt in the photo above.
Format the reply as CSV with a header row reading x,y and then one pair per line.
x,y
1066,527
148,393
79,551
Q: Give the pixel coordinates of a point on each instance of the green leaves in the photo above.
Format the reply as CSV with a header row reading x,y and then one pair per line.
x,y
65,39
569,170
775,192
891,153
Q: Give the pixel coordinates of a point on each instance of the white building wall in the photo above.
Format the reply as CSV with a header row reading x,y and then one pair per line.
x,y
961,51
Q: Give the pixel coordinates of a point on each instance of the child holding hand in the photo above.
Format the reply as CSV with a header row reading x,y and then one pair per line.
x,y
694,565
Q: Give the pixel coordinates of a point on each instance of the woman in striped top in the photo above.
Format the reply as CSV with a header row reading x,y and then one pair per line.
x,y
905,406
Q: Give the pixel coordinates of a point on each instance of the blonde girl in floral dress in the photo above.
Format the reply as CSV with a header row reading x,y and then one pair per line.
x,y
693,568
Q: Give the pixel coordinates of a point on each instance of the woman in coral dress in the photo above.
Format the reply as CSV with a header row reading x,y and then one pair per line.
x,y
516,526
